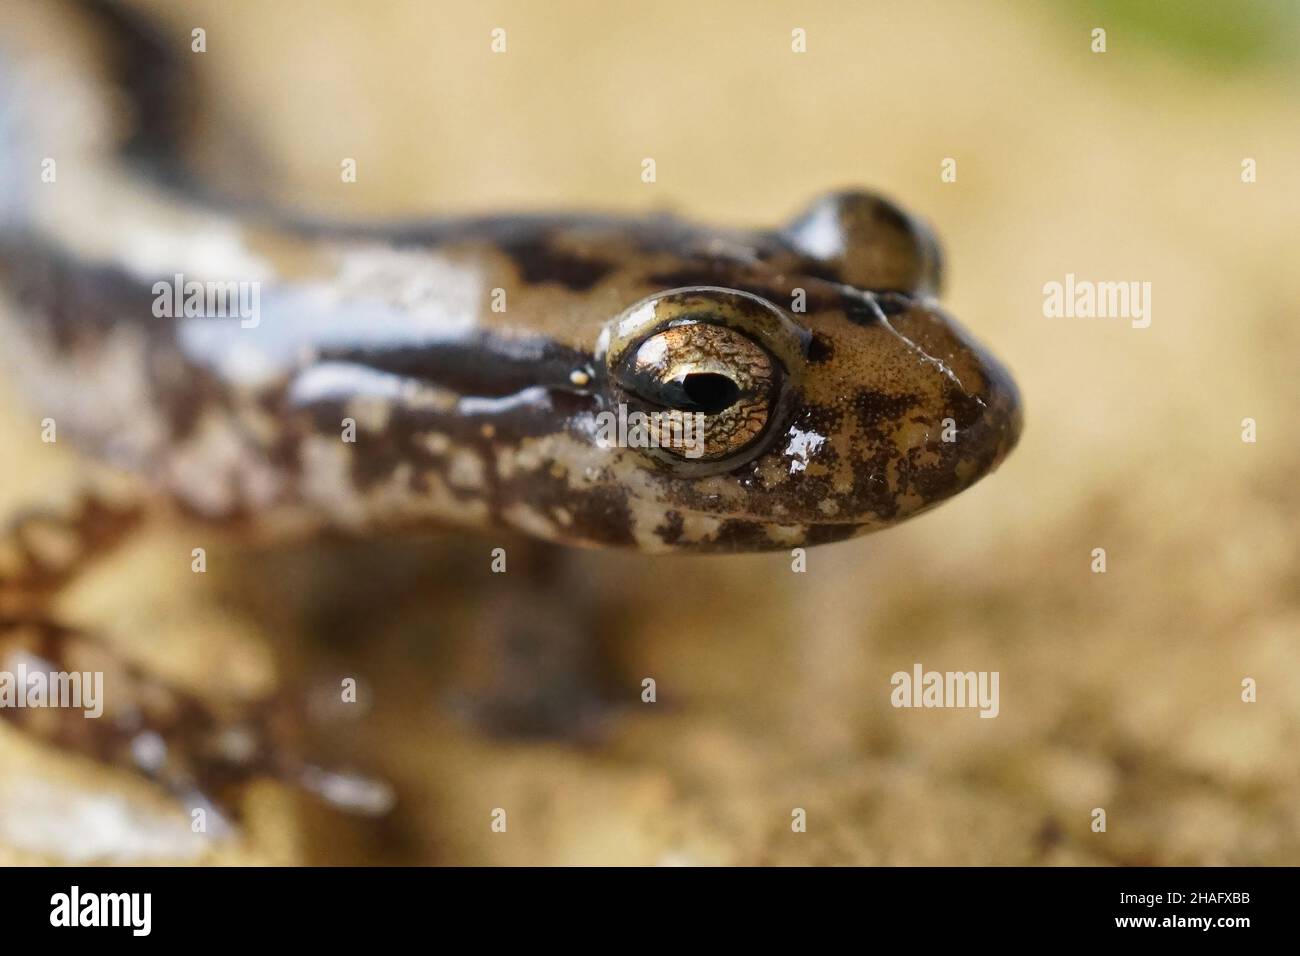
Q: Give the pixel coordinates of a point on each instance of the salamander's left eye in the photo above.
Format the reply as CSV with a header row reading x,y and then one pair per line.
x,y
709,370
721,378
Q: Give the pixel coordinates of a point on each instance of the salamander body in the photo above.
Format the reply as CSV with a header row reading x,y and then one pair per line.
x,y
531,372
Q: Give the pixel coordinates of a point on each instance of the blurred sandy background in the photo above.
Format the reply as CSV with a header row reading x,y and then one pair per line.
x,y
1119,690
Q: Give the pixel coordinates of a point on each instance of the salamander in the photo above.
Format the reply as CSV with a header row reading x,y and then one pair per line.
x,y
475,356
595,380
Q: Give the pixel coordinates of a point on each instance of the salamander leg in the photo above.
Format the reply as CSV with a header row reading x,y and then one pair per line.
x,y
536,667
123,716
43,549
112,711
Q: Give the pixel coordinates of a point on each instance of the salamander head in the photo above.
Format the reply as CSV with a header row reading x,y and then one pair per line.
x,y
777,427
654,386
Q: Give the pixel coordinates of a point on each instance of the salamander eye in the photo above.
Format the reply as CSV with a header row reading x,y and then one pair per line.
x,y
724,381
711,371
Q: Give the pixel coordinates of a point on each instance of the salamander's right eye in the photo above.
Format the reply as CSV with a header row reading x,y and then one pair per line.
x,y
720,376
711,368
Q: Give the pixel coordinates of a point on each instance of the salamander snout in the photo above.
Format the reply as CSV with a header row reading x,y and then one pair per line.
x,y
901,409
817,426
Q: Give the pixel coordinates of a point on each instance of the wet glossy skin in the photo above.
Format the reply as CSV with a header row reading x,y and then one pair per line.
x,y
474,357
433,374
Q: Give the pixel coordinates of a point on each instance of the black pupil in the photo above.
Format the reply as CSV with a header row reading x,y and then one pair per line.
x,y
709,392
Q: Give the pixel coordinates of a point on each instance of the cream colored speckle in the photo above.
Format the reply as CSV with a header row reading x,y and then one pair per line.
x,y
700,527
466,470
437,443
372,413
786,533
909,502
215,471
529,519
327,479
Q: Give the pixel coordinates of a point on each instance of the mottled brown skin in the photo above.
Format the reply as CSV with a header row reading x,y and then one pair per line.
x,y
880,372
474,416
470,358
